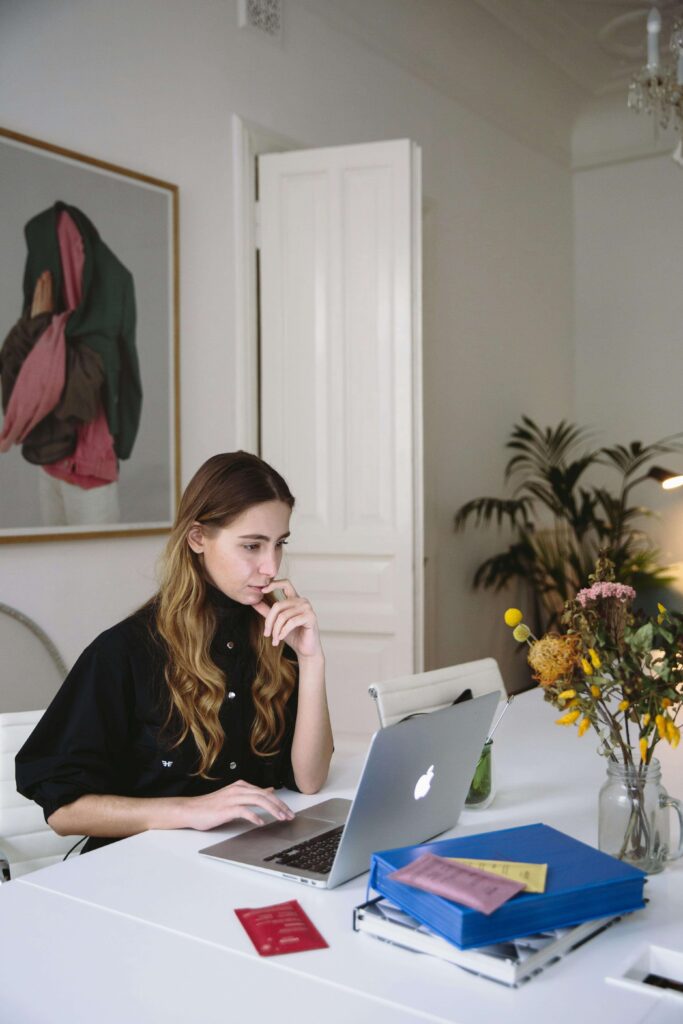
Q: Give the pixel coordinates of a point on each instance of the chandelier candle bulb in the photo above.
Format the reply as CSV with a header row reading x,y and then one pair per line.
x,y
654,25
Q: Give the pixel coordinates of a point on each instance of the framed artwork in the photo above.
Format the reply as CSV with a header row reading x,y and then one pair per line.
x,y
89,348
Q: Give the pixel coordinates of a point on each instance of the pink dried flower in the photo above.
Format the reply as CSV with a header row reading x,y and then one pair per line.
x,y
599,591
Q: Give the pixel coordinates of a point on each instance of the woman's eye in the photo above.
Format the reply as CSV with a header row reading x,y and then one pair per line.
x,y
281,543
250,547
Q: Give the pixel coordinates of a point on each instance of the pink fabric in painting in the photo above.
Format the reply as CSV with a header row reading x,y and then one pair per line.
x,y
40,381
94,461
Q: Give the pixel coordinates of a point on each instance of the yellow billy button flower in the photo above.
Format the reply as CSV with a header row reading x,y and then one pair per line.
x,y
672,733
513,617
624,705
521,632
661,609
643,749
583,725
595,657
567,694
646,719
586,666
666,702
660,722
595,690
569,718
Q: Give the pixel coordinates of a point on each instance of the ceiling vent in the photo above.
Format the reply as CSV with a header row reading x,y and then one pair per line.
x,y
262,15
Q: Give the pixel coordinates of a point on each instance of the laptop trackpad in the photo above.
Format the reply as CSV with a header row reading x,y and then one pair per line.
x,y
271,838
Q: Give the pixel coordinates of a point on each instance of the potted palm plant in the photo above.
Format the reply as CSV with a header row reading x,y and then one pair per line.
x,y
561,519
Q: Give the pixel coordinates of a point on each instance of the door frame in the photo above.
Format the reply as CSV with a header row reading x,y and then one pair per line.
x,y
249,141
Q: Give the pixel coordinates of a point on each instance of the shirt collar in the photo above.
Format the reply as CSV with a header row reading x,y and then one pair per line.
x,y
224,606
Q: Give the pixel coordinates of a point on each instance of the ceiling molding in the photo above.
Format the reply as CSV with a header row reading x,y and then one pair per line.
x,y
599,44
606,132
468,55
548,28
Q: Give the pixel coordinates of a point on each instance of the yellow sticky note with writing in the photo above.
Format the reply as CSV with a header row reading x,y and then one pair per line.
x,y
532,875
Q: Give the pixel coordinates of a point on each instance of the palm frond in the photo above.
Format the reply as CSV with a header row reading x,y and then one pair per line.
x,y
539,449
561,522
515,512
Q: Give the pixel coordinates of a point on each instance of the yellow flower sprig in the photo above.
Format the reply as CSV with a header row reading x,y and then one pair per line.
x,y
553,657
635,700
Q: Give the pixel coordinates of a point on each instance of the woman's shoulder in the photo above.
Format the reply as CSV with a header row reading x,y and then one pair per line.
x,y
134,634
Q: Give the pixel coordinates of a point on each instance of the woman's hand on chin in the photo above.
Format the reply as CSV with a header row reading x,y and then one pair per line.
x,y
292,619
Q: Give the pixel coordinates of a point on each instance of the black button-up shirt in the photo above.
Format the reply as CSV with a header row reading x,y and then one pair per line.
x,y
103,734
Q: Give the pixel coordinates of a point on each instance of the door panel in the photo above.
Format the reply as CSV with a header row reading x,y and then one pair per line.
x,y
341,407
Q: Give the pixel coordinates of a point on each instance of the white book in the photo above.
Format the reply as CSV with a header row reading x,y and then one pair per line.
x,y
508,962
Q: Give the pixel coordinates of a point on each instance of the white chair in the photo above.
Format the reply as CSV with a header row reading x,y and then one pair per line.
x,y
31,671
26,841
396,699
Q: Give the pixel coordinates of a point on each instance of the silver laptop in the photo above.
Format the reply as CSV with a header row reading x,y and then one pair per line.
x,y
413,786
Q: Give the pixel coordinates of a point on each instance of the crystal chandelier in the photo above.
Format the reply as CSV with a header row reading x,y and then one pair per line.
x,y
658,86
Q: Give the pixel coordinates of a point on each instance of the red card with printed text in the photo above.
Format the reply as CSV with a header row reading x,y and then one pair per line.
x,y
281,928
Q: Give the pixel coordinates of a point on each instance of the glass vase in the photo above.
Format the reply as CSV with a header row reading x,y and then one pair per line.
x,y
634,817
481,788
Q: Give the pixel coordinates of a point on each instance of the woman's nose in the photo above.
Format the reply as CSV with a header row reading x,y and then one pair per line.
x,y
268,564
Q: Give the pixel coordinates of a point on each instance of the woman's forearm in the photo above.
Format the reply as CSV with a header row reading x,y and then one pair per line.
x,y
118,816
312,743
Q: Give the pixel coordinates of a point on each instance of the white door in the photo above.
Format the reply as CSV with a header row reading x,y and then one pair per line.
x,y
341,400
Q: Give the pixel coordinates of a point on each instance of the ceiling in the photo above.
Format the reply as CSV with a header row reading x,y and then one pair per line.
x,y
597,43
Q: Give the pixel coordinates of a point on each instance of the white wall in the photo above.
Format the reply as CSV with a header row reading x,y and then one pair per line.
x,y
628,200
151,85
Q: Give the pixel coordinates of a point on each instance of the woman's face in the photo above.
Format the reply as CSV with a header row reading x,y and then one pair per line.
x,y
243,557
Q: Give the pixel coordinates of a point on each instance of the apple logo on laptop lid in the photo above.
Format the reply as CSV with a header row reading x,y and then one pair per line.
x,y
423,784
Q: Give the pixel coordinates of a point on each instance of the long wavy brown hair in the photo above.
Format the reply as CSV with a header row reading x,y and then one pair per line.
x,y
220,491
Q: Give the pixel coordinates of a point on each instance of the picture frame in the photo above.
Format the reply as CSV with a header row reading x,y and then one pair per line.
x,y
104,337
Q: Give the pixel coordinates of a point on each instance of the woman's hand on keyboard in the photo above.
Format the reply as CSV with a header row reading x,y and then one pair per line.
x,y
238,800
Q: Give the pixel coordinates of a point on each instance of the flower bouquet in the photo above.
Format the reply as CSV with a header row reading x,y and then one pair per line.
x,y
621,674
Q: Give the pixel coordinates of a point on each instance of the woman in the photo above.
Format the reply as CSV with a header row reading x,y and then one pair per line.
x,y
192,711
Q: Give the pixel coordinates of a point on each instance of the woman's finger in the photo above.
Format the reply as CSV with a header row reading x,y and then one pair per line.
x,y
289,626
248,794
274,807
277,609
284,612
286,586
252,816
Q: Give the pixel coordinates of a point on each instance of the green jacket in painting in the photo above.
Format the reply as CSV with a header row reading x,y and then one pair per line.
x,y
104,320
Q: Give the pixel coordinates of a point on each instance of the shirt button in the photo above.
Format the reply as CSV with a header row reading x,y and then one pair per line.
x,y
232,695
230,644
233,765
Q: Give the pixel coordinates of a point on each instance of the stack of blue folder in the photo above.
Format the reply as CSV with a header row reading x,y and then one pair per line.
x,y
582,884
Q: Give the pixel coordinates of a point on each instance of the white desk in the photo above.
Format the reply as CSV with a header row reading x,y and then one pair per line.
x,y
144,930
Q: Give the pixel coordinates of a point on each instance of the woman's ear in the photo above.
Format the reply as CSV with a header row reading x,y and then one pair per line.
x,y
195,538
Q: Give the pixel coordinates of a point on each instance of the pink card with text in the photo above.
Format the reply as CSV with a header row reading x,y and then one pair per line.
x,y
477,889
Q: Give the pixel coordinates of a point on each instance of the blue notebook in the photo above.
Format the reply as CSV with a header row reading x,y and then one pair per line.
x,y
582,884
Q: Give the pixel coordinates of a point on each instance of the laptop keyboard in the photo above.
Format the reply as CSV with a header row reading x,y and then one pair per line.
x,y
315,854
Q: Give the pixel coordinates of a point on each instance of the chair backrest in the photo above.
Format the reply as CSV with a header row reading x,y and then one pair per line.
x,y
396,699
26,841
31,669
